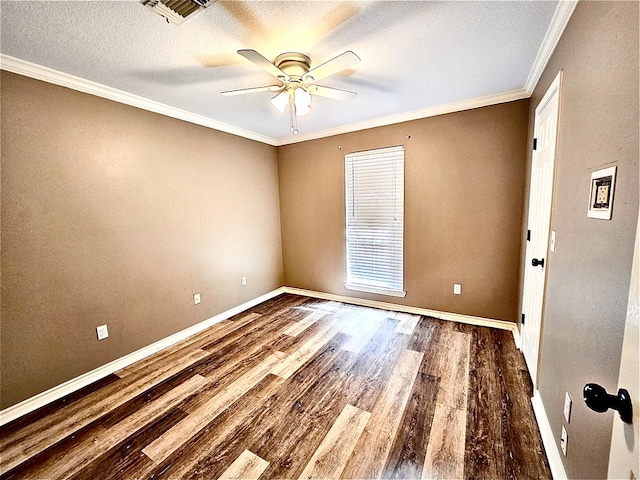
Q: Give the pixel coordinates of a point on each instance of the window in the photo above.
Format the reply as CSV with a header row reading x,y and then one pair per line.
x,y
374,186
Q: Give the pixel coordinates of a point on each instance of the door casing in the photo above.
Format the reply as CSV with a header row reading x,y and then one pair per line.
x,y
539,222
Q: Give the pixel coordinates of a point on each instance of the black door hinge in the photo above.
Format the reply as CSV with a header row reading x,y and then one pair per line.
x,y
522,321
528,235
535,143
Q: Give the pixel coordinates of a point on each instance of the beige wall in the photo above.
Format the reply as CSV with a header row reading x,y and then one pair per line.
x,y
464,183
115,215
589,273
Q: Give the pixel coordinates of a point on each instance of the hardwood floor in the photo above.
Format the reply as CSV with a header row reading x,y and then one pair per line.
x,y
297,388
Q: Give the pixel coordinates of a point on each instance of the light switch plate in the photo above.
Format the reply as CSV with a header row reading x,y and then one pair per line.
x,y
567,407
552,245
563,441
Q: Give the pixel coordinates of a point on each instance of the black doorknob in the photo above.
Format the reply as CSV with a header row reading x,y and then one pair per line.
x,y
598,400
535,262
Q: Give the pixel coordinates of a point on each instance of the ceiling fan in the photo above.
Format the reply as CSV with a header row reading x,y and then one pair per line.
x,y
298,80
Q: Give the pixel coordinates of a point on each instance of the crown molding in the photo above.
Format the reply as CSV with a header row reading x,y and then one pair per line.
x,y
560,19
46,74
409,116
559,22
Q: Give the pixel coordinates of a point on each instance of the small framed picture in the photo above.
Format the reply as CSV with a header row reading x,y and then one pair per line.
x,y
601,193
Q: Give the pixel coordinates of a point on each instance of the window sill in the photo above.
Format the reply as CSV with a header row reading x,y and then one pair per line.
x,y
376,290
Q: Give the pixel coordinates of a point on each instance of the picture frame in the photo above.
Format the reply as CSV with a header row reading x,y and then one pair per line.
x,y
601,192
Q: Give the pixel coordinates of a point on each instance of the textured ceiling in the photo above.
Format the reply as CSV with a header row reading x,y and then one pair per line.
x,y
415,54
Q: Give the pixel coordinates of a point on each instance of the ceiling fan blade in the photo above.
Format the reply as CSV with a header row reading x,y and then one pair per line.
x,y
263,63
335,65
329,92
242,91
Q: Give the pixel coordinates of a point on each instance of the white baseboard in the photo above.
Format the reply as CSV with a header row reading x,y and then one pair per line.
x,y
33,403
454,317
548,438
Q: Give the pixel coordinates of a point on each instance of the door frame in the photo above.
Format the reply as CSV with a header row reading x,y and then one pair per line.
x,y
554,88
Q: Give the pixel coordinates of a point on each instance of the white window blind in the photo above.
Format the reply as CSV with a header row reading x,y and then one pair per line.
x,y
374,182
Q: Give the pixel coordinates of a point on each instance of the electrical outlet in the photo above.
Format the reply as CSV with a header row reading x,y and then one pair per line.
x,y
102,332
457,289
564,439
567,407
552,244
244,281
196,298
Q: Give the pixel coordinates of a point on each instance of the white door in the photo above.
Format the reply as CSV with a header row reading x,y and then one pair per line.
x,y
624,459
542,175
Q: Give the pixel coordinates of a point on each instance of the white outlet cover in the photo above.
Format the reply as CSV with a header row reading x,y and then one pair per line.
x,y
563,441
457,289
567,407
196,298
102,332
244,281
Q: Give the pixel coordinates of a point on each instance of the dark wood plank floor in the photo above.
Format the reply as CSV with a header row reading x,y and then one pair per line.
x,y
297,388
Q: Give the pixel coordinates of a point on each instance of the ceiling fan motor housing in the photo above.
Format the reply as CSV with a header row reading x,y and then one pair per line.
x,y
293,64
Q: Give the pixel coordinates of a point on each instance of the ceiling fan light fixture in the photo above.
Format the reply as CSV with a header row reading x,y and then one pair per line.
x,y
281,101
293,70
302,100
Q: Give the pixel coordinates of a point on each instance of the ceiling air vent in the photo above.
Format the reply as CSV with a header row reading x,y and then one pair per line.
x,y
177,11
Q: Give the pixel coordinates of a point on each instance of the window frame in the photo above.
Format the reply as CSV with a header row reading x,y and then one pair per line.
x,y
387,222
